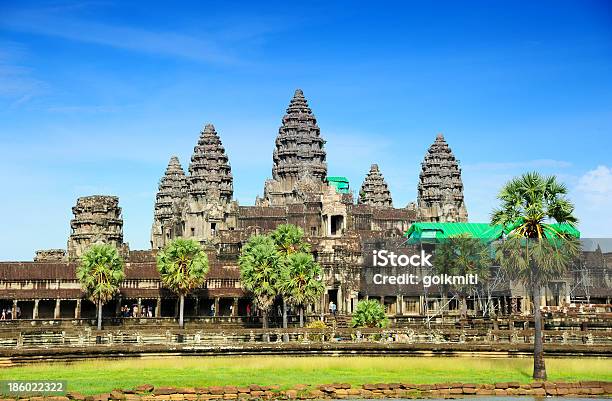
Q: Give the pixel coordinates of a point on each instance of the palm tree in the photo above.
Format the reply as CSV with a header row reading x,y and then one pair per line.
x,y
289,239
260,268
462,255
369,313
301,281
535,250
100,272
182,267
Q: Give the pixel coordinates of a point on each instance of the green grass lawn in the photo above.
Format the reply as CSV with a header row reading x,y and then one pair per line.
x,y
103,375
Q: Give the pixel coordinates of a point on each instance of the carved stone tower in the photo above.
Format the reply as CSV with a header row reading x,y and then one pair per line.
x,y
440,190
97,220
170,203
210,188
374,190
299,157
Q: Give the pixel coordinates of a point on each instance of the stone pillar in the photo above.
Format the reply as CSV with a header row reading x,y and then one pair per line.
x,y
35,310
158,307
235,307
217,306
421,308
77,309
400,304
56,312
118,306
14,310
196,306
139,301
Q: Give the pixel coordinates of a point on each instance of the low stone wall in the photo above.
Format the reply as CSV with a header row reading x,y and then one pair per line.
x,y
147,392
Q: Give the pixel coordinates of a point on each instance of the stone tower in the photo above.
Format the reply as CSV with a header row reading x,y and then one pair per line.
x,y
440,190
210,188
170,203
374,190
97,219
299,164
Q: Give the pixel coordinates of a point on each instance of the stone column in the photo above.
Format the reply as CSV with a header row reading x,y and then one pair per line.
x,y
158,307
400,304
421,308
139,306
56,312
35,310
217,306
14,310
77,309
235,307
118,306
196,306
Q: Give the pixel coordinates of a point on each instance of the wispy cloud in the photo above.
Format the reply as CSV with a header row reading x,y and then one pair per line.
x,y
539,163
217,45
17,82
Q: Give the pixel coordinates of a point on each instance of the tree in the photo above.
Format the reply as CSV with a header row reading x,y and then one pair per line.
x,y
462,255
260,269
535,251
100,272
369,313
301,281
289,239
182,267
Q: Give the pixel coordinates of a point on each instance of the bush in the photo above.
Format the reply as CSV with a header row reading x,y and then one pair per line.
x,y
316,324
370,314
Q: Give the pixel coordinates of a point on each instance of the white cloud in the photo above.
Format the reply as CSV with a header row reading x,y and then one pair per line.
x,y
593,197
596,185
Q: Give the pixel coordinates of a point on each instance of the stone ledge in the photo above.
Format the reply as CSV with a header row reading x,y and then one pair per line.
x,y
148,392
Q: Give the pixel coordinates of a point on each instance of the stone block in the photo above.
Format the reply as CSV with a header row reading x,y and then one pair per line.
x,y
501,386
500,392
469,390
144,388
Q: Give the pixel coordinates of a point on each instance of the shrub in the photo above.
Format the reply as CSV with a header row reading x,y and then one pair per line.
x,y
370,314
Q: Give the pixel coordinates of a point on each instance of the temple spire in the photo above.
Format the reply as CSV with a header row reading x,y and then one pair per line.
x,y
299,145
374,190
169,204
440,189
210,172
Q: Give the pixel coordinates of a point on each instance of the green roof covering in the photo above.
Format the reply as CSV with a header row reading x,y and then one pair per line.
x,y
340,183
418,231
438,231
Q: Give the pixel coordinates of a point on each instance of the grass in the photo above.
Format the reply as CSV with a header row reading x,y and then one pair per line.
x,y
103,375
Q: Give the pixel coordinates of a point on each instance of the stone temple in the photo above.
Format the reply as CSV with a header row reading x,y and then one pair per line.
x,y
199,204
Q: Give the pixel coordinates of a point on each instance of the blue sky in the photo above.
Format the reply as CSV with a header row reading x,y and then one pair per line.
x,y
96,96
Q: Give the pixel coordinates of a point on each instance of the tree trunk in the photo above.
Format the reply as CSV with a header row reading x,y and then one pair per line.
x,y
284,313
301,316
539,368
181,311
264,318
99,314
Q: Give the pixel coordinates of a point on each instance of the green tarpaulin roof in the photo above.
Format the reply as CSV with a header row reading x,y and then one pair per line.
x,y
419,231
340,183
423,231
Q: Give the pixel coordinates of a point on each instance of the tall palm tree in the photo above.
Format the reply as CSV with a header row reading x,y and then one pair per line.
x,y
301,281
100,272
289,239
260,269
461,255
182,267
535,250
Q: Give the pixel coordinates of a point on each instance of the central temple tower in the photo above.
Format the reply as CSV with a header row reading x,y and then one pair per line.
x,y
299,165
